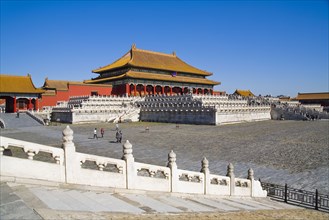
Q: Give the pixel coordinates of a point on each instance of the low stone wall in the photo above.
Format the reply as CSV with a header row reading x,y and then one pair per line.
x,y
182,116
97,109
202,109
68,166
62,115
238,117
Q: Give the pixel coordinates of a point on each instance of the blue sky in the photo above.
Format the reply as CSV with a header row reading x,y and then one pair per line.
x,y
269,47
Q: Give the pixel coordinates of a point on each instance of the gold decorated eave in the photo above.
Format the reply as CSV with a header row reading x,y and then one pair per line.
x,y
158,77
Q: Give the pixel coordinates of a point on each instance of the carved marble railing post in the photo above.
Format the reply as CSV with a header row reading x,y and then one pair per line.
x,y
230,173
173,168
251,178
131,173
70,155
205,170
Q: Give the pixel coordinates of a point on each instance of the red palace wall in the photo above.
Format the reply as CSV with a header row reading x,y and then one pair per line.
x,y
73,90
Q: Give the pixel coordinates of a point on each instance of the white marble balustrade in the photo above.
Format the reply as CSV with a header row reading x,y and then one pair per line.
x,y
122,173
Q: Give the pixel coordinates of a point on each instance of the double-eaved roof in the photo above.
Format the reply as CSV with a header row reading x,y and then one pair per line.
x,y
144,59
18,84
152,60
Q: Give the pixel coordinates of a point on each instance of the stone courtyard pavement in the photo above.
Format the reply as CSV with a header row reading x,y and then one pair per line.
x,y
30,200
292,152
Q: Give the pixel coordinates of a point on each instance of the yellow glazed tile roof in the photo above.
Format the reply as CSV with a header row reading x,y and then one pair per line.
x,y
153,60
312,96
244,92
160,77
49,93
17,84
64,85
56,84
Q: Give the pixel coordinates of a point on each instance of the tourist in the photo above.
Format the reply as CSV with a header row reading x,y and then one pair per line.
x,y
120,136
17,114
117,127
95,133
117,136
102,132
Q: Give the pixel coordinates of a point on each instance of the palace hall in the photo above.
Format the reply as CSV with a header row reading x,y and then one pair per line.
x,y
142,72
19,93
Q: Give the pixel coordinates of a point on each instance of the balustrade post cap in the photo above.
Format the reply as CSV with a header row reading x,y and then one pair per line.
x,y
127,145
67,136
172,154
230,166
205,161
250,174
67,131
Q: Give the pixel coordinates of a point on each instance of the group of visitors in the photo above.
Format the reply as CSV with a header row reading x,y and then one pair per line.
x,y
95,133
118,134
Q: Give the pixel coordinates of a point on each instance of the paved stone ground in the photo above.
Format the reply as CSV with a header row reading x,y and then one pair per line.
x,y
293,152
65,201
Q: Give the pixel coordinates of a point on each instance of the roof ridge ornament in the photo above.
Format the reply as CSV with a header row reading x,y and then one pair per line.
x,y
133,47
174,53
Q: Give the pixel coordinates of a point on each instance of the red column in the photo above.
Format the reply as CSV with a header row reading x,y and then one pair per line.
x,y
135,89
144,90
162,90
170,91
36,105
14,105
182,90
127,89
202,91
154,87
29,105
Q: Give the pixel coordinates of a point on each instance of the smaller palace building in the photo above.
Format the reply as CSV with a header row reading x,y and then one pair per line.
x,y
19,93
61,90
142,72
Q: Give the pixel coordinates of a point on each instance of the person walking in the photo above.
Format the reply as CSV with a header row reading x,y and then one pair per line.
x,y
102,132
117,136
95,133
120,136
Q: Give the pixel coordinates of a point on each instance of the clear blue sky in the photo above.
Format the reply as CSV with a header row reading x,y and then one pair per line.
x,y
269,47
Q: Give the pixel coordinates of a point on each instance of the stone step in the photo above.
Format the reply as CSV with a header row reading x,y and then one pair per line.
x,y
75,200
24,120
48,201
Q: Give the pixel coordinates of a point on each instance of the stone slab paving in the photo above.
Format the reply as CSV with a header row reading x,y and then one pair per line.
x,y
13,207
113,204
218,204
152,204
47,199
187,205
